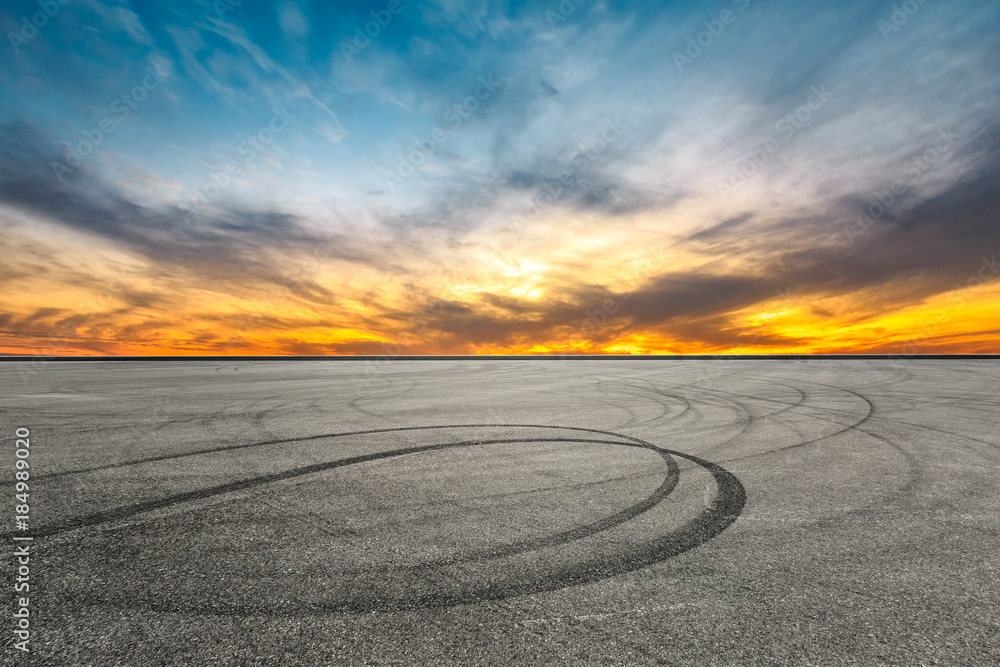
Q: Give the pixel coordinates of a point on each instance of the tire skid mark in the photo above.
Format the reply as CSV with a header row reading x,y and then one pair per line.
x,y
578,397
924,427
667,406
580,532
252,482
750,420
813,441
380,394
913,476
198,494
724,509
788,406
664,407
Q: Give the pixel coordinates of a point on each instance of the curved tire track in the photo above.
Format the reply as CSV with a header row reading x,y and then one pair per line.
x,y
726,506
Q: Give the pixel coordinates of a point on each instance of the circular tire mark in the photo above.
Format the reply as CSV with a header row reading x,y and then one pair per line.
x,y
453,582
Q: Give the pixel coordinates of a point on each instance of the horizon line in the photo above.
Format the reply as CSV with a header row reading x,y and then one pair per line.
x,y
469,357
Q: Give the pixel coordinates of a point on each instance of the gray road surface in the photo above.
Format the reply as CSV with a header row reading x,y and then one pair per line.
x,y
827,512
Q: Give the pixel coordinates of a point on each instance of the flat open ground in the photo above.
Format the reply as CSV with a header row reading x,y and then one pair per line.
x,y
507,511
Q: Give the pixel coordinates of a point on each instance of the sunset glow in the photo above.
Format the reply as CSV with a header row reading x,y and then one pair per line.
x,y
276,192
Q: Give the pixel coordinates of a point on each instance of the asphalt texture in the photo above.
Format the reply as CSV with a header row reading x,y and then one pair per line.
x,y
677,512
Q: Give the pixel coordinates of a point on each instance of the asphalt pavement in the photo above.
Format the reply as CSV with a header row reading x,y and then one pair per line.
x,y
677,512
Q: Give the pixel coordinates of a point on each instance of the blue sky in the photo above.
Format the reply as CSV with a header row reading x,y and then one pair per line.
x,y
738,139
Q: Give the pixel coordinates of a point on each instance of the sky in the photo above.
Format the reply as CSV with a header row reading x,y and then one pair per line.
x,y
448,177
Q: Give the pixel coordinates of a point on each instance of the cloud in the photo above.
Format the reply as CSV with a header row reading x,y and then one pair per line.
x,y
122,19
722,229
292,21
436,258
230,248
